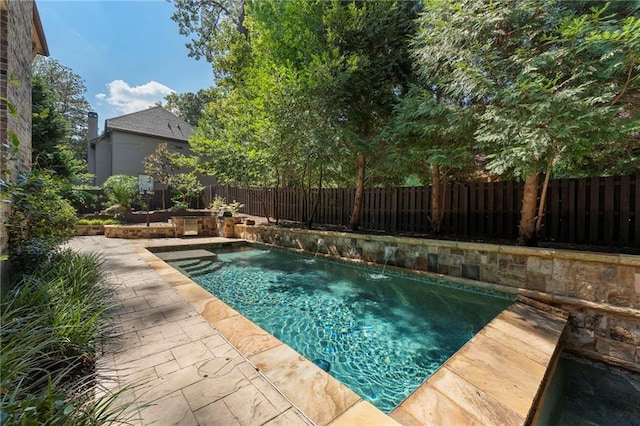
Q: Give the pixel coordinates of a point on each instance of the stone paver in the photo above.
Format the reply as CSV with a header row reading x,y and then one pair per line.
x,y
179,365
498,377
195,361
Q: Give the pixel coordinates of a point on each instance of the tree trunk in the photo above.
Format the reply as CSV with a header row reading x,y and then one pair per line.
x,y
528,235
357,203
316,203
543,197
436,203
240,22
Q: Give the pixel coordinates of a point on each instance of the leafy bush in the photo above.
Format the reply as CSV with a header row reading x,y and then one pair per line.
x,y
121,189
54,324
220,203
186,186
40,218
98,222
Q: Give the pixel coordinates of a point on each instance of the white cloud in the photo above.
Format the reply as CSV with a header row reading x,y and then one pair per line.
x,y
126,99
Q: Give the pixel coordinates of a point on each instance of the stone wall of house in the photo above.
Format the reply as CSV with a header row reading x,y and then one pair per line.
x,y
600,291
15,85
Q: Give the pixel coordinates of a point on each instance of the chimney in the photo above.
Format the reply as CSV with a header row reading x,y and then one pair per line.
x,y
92,123
92,133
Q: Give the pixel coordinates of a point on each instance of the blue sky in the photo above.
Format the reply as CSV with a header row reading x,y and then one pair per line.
x,y
129,53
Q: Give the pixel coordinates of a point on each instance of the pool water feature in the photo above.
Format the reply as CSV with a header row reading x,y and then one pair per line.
x,y
381,338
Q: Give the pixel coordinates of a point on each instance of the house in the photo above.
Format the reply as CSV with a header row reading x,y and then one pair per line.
x,y
128,139
21,38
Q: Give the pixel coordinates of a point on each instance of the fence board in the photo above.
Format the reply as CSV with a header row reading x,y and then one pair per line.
x,y
588,210
608,215
636,211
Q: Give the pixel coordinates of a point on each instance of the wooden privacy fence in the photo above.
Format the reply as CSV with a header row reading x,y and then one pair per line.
x,y
155,203
601,211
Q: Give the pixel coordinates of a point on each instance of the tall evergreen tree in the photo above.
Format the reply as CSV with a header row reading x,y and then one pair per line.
x,y
68,91
542,81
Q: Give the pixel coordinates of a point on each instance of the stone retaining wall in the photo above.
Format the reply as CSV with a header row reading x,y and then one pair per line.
x,y
142,231
600,291
84,230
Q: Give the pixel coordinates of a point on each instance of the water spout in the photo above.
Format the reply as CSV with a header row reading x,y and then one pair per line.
x,y
388,252
320,244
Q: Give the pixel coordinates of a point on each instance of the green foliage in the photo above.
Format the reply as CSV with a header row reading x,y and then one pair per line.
x,y
161,165
220,204
188,106
97,222
208,21
50,134
121,190
546,93
186,186
67,89
40,220
54,323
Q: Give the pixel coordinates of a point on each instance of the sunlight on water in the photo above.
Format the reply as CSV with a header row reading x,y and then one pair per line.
x,y
382,335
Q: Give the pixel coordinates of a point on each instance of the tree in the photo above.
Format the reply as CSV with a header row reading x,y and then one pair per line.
x,y
542,96
188,106
186,186
68,91
50,133
207,19
434,132
371,69
161,165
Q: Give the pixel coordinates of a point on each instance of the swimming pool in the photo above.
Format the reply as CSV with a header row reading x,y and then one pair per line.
x,y
381,335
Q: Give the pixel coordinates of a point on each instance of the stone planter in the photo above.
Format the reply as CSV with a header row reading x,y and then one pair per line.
x,y
85,230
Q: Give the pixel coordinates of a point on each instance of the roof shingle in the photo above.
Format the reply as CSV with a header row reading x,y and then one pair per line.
x,y
155,121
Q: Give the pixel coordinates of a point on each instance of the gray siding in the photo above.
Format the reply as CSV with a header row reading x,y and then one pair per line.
x,y
103,160
130,150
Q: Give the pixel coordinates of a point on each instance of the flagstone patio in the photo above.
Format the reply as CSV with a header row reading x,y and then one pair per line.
x,y
196,361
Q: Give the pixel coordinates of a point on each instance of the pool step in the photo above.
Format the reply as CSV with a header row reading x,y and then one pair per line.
x,y
202,267
172,256
184,264
498,377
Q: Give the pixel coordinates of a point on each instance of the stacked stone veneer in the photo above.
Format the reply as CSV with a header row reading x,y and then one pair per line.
x,y
84,230
15,85
141,231
207,225
600,291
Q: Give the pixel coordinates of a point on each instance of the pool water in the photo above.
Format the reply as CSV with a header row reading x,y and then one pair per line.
x,y
382,335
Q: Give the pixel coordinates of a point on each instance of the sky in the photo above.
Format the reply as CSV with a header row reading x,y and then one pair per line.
x,y
129,53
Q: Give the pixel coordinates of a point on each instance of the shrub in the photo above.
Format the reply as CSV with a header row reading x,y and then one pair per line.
x,y
186,186
98,222
40,218
220,203
53,326
121,189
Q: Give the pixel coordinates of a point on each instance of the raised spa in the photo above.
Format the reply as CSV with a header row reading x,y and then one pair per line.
x,y
381,335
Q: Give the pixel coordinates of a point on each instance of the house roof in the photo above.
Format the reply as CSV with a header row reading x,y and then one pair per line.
x,y
38,38
155,121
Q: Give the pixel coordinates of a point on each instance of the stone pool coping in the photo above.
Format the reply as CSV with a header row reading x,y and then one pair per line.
x,y
466,388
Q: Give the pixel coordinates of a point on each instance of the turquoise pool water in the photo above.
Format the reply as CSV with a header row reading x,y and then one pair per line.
x,y
382,335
